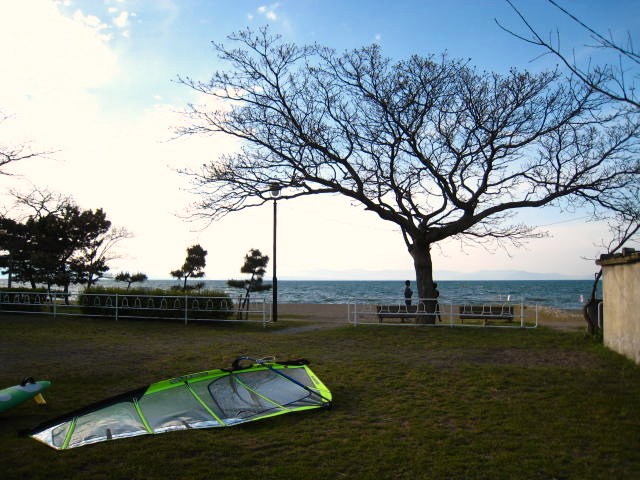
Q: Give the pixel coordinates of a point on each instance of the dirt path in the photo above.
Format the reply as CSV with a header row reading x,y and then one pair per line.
x,y
571,320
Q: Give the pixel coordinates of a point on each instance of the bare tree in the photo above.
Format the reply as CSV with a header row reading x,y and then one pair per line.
x,y
616,81
40,202
90,264
622,212
14,153
429,144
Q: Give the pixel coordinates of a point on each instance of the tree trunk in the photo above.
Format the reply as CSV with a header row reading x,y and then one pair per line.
x,y
66,293
245,303
421,253
590,314
10,277
590,309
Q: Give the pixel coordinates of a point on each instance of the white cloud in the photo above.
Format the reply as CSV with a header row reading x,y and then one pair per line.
x,y
94,24
268,11
121,162
56,64
54,61
122,20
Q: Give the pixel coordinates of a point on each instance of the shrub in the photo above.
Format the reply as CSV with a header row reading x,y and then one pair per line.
x,y
24,300
155,303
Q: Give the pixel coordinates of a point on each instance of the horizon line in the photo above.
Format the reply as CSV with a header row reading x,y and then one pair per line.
x,y
310,279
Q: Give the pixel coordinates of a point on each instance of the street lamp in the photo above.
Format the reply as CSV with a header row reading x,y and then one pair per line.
x,y
275,193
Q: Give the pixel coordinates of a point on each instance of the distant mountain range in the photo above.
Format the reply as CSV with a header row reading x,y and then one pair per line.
x,y
506,275
357,274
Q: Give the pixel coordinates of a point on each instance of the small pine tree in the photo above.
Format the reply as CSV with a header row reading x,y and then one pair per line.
x,y
130,278
193,266
254,263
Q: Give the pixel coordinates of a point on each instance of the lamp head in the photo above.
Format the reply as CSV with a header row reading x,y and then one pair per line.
x,y
275,189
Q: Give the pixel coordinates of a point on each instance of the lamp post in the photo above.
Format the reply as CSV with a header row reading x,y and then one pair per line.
x,y
275,193
7,257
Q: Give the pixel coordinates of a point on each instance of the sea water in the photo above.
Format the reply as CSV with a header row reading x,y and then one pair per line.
x,y
562,294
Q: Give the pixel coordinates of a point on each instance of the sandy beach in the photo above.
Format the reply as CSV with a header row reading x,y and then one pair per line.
x,y
338,313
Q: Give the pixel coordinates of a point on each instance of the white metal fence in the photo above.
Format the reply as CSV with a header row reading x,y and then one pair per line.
x,y
450,312
195,308
186,308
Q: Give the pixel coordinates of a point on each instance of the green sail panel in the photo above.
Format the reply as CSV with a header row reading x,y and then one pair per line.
x,y
215,398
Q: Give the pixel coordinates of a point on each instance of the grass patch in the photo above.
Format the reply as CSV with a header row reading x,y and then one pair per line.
x,y
409,402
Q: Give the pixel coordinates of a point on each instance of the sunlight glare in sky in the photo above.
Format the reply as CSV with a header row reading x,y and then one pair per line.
x,y
95,83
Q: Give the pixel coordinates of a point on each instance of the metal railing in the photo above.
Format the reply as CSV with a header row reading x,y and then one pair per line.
x,y
449,312
186,308
195,308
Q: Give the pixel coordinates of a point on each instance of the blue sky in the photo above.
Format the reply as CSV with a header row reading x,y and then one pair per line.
x,y
94,81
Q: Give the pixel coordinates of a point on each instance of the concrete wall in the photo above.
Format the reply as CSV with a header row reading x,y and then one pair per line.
x,y
621,292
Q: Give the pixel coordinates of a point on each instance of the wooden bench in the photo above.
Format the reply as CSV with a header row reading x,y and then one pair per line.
x,y
402,311
486,312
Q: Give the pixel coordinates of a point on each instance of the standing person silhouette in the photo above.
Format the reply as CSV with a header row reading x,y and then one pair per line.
x,y
408,293
436,294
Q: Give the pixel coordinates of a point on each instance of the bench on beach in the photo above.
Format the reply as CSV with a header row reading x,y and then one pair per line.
x,y
402,311
486,312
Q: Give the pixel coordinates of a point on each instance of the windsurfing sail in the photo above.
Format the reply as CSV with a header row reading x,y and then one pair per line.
x,y
216,398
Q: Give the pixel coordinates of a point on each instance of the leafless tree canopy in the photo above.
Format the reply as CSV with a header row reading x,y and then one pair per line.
x,y
39,202
11,153
428,143
616,79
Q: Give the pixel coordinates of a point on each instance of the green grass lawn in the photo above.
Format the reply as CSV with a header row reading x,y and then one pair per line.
x,y
408,402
